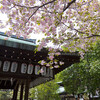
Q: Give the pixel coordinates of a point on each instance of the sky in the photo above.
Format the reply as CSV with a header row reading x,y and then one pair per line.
x,y
3,18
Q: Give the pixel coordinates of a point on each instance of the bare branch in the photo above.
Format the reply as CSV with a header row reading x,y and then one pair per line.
x,y
26,6
32,15
72,36
85,37
78,31
92,36
47,3
35,6
69,4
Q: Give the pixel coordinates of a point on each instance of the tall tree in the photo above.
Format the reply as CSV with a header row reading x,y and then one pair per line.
x,y
47,91
84,77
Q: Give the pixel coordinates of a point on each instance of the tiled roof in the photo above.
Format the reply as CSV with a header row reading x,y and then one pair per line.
x,y
13,41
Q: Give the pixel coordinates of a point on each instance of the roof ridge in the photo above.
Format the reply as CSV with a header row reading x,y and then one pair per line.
x,y
20,38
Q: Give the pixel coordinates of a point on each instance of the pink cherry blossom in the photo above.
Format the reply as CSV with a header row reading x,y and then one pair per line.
x,y
43,62
51,57
55,62
57,53
41,70
61,63
56,66
48,65
72,26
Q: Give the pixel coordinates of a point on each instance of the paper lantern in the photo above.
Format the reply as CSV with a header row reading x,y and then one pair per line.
x,y
37,69
30,69
6,66
51,72
23,68
14,66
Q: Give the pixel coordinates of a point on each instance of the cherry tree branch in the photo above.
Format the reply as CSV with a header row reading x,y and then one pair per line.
x,y
92,36
43,5
73,28
78,31
47,3
68,5
35,6
26,6
31,15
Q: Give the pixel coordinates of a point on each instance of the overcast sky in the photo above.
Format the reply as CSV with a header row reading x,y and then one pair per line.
x,y
3,18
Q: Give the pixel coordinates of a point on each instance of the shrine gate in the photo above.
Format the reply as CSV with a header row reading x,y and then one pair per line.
x,y
19,67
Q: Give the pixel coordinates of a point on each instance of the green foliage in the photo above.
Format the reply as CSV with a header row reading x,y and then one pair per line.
x,y
45,91
84,76
5,95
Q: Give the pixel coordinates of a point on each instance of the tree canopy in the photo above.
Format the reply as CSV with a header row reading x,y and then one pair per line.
x,y
47,91
84,77
74,24
5,95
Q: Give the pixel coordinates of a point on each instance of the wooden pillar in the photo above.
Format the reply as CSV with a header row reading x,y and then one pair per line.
x,y
21,91
15,92
26,89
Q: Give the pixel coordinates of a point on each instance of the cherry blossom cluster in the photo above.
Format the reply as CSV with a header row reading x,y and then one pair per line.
x,y
73,24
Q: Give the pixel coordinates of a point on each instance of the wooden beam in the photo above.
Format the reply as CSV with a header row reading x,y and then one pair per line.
x,y
15,92
21,91
26,89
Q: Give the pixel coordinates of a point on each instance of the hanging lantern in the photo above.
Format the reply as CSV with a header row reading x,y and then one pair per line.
x,y
6,66
23,68
51,72
37,69
14,66
30,69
